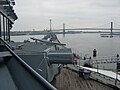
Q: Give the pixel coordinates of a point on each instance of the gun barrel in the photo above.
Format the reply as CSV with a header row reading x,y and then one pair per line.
x,y
60,58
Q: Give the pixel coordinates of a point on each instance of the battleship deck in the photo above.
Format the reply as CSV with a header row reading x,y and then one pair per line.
x,y
37,48
103,76
69,80
29,48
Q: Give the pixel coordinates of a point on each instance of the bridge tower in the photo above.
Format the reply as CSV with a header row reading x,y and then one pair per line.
x,y
64,29
50,25
111,33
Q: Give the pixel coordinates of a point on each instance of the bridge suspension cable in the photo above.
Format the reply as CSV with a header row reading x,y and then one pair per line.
x,y
117,25
107,25
59,26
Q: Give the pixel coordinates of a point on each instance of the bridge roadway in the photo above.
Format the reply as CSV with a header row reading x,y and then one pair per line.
x,y
86,29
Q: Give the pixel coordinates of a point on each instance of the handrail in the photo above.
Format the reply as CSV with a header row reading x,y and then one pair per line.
x,y
44,82
5,42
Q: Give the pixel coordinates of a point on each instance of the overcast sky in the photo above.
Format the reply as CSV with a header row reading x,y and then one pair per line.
x,y
35,14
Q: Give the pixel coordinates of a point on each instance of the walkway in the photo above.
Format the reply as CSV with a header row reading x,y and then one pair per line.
x,y
103,72
69,80
104,76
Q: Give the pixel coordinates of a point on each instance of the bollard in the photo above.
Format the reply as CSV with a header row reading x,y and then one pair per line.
x,y
94,53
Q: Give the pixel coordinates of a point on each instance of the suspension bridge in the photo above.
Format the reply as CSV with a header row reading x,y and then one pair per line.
x,y
109,29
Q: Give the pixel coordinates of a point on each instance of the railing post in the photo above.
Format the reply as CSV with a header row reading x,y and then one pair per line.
x,y
0,27
116,70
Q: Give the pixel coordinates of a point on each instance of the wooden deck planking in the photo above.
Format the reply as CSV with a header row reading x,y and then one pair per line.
x,y
69,80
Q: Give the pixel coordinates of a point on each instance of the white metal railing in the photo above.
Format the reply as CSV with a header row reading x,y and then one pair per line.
x,y
105,60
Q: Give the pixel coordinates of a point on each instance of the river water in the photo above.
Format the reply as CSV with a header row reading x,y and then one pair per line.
x,y
84,43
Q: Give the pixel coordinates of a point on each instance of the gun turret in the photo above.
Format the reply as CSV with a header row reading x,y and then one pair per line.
x,y
60,57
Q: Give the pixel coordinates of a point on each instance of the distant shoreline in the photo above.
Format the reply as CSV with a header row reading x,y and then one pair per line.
x,y
19,33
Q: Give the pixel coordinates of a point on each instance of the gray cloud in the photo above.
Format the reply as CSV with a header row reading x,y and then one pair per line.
x,y
36,13
107,3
